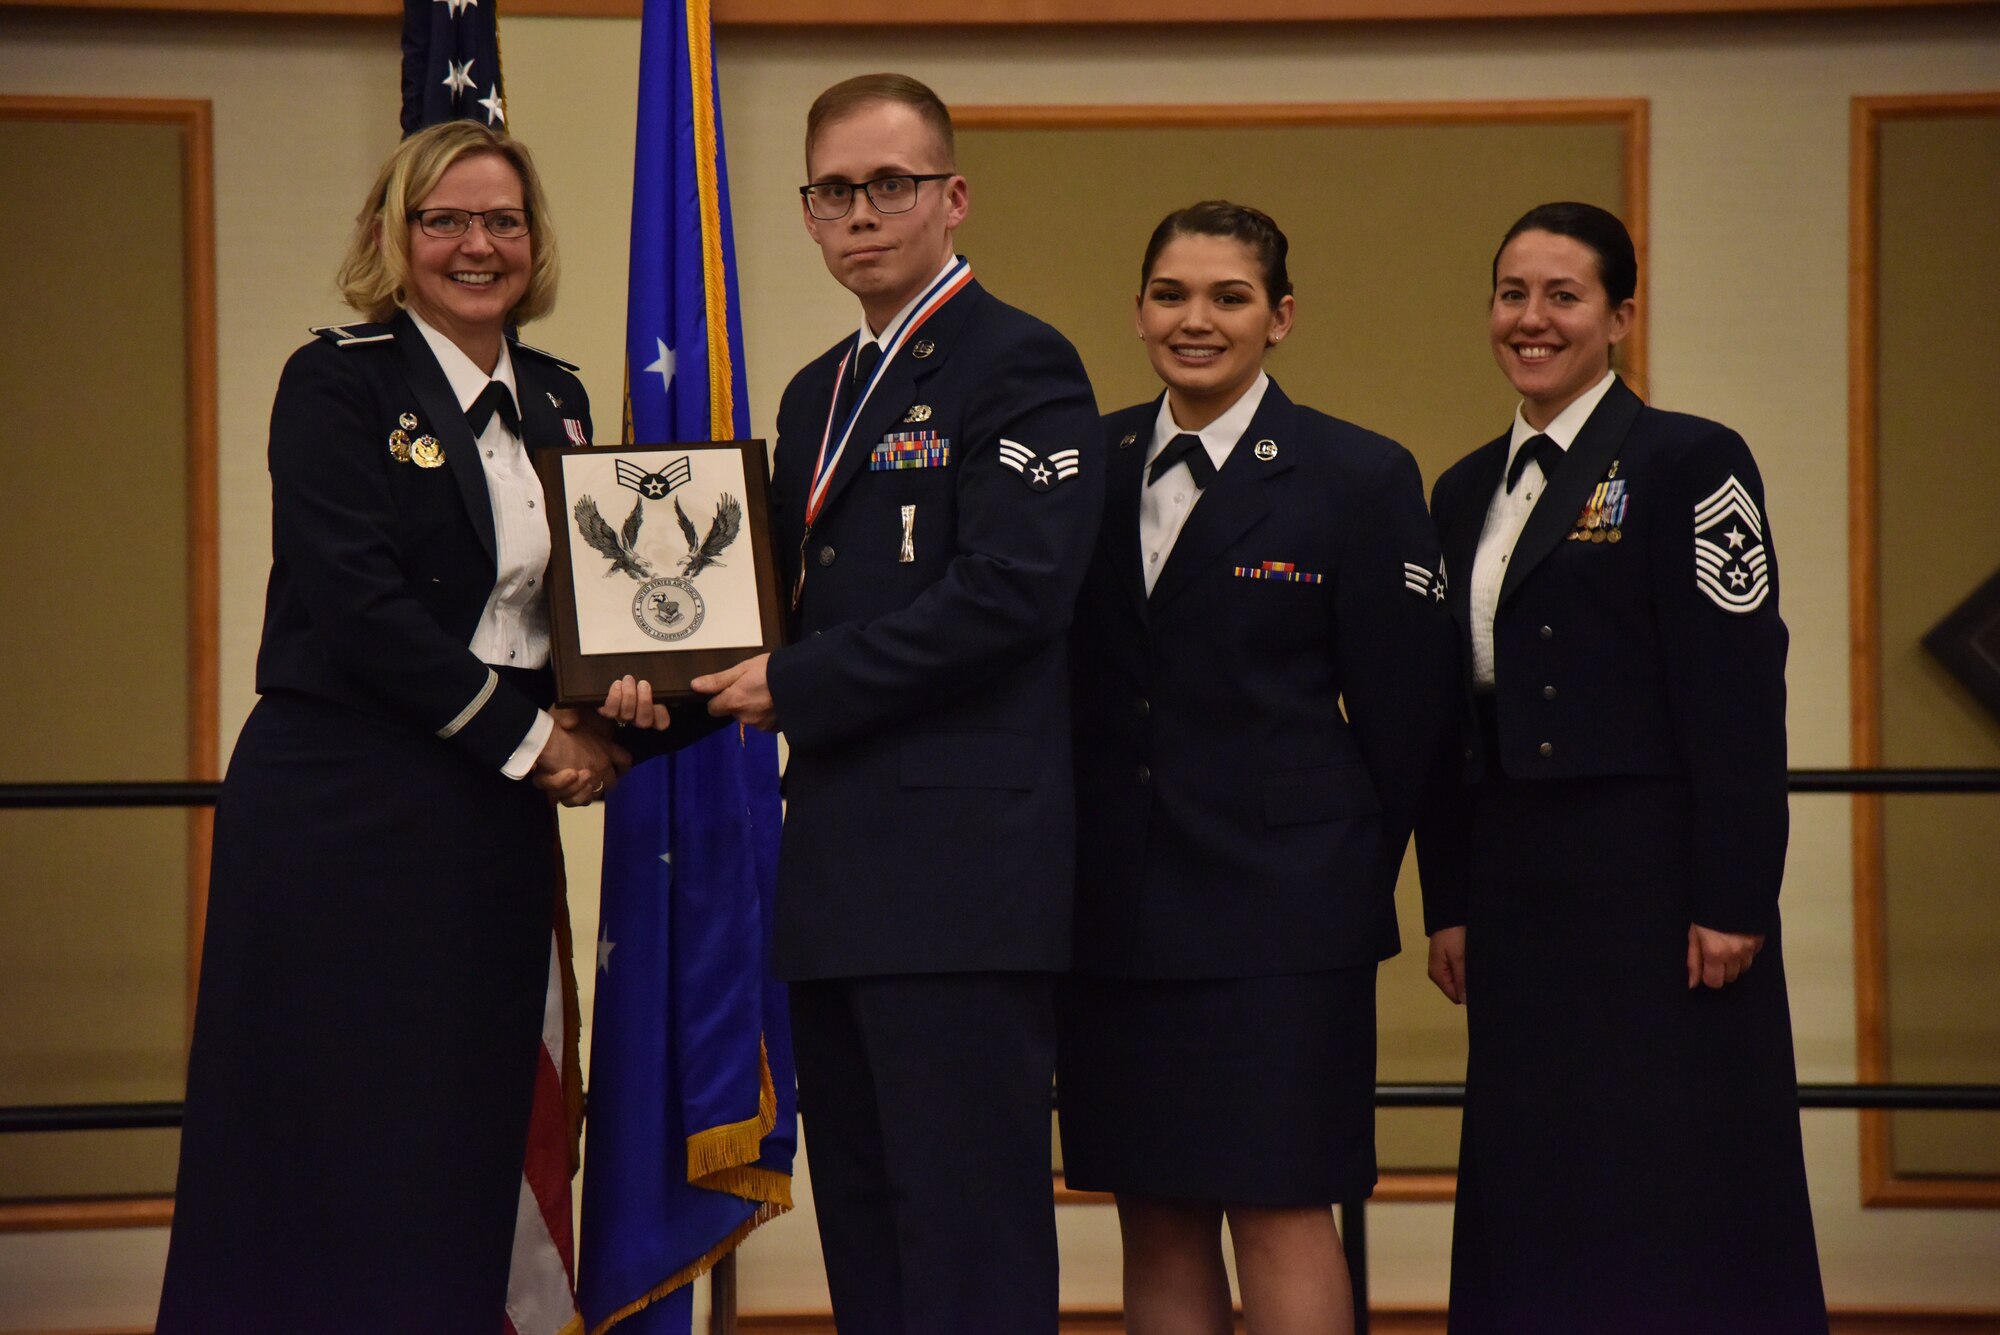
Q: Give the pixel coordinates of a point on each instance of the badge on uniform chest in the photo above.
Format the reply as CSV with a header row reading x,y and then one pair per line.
x,y
909,449
1603,516
1285,572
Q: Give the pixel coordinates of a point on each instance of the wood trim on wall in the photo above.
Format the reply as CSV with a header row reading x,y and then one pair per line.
x,y
1031,13
1880,1183
1633,115
193,118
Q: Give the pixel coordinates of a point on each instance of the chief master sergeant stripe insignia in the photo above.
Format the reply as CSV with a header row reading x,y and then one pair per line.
x,y
478,703
1731,566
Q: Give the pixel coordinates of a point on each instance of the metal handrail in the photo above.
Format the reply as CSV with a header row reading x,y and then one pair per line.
x,y
1354,1225
186,794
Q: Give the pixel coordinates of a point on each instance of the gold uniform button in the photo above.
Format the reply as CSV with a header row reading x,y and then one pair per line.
x,y
826,556
1548,692
1547,748
1548,632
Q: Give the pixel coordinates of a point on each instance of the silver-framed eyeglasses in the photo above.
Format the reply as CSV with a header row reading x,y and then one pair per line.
x,y
887,194
448,224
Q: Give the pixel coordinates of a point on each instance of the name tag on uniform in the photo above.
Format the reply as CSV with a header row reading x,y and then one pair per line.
x,y
909,449
1279,570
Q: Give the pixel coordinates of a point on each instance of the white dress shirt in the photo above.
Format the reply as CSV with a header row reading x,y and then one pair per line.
x,y
1508,514
1165,505
513,630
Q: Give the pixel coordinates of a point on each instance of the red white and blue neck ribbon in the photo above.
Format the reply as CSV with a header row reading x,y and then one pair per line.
x,y
948,285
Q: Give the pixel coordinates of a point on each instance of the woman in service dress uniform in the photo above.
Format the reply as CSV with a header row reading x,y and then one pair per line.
x,y
377,950
1601,869
1262,669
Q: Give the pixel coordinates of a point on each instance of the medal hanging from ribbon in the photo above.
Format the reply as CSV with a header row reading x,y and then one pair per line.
x,y
948,285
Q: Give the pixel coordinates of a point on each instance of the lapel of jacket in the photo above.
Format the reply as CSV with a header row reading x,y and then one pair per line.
x,y
1562,499
446,421
541,417
1461,530
898,388
1119,538
1237,498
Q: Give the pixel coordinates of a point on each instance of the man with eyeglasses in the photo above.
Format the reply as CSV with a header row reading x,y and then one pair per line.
x,y
936,494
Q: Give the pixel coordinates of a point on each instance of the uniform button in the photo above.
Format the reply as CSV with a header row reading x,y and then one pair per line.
x,y
1145,775
1152,558
1548,632
489,454
1548,692
1468,753
826,556
1547,748
510,653
531,505
1140,707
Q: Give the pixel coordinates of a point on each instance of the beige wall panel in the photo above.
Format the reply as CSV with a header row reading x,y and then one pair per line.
x,y
1749,194
1938,495
93,968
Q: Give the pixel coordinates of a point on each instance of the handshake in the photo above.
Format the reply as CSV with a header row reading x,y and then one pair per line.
x,y
582,760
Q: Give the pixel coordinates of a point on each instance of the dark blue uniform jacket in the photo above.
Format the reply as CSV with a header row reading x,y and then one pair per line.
x,y
930,825
1252,738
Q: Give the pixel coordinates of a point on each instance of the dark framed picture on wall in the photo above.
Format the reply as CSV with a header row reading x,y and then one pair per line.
x,y
661,564
1967,642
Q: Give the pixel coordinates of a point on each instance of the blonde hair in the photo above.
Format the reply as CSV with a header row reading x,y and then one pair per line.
x,y
374,275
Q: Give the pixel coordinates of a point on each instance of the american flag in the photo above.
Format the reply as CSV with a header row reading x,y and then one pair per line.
x,y
451,71
451,63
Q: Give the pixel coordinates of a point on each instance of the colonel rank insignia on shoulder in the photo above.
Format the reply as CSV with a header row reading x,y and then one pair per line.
x,y
1730,563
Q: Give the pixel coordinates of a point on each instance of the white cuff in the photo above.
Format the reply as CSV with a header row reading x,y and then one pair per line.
x,y
523,759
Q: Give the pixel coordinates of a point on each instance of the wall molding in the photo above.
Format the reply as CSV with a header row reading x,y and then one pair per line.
x,y
1881,1185
1032,13
193,118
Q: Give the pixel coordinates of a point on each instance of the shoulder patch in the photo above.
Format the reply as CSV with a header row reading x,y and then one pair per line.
x,y
546,356
1040,474
347,335
1731,567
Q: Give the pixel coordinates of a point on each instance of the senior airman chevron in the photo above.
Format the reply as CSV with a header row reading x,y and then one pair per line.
x,y
1040,473
1734,571
655,485
1420,581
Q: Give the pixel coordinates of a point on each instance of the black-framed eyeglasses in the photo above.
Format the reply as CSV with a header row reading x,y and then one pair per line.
x,y
447,224
888,194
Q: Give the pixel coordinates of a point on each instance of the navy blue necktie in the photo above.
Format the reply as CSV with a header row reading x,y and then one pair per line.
x,y
1186,446
493,399
865,362
1542,450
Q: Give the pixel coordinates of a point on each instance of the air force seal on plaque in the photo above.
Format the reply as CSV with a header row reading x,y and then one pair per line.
x,y
668,608
1730,563
1037,472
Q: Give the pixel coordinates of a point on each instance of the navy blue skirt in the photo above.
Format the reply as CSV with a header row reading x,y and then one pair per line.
x,y
1237,1091
375,964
